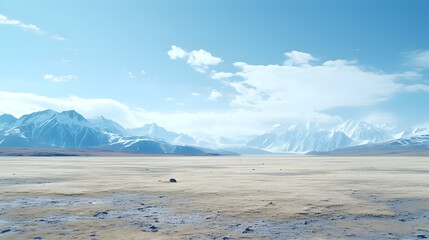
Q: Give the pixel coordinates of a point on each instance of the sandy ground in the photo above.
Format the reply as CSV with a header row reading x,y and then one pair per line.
x,y
214,197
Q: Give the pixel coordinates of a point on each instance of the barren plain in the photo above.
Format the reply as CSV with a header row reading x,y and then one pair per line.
x,y
224,197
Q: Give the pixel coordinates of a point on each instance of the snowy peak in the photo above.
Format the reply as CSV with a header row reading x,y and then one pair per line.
x,y
72,115
7,118
362,132
312,137
36,117
44,117
154,131
106,125
412,132
299,138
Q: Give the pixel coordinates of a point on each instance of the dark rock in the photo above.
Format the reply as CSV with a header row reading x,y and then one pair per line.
x,y
153,228
172,180
5,231
38,238
421,236
225,238
101,214
402,220
306,222
248,230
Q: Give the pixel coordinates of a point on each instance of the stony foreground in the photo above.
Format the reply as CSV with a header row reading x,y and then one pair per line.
x,y
214,198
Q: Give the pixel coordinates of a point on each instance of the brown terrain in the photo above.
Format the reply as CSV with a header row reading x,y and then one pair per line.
x,y
229,197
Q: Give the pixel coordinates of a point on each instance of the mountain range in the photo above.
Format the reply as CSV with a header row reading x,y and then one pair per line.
x,y
417,145
69,129
309,137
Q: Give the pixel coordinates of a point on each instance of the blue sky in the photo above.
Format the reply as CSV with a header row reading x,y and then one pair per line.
x,y
279,62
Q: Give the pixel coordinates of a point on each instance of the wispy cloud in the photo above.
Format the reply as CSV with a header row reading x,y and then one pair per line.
x,y
62,62
298,58
131,75
200,60
58,37
195,94
221,75
419,58
13,22
143,71
214,95
64,78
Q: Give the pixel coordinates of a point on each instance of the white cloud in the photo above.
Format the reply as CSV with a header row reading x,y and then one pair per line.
x,y
298,58
306,90
221,75
215,94
143,72
195,94
177,52
5,20
200,60
58,37
131,74
419,58
60,78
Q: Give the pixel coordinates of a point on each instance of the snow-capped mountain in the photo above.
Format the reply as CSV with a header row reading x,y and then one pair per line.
x,y
413,145
69,129
154,131
48,128
362,132
410,132
311,137
142,145
300,138
106,125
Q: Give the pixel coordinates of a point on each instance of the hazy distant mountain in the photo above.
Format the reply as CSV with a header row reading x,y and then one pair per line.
x,y
299,138
107,125
154,131
141,145
412,145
